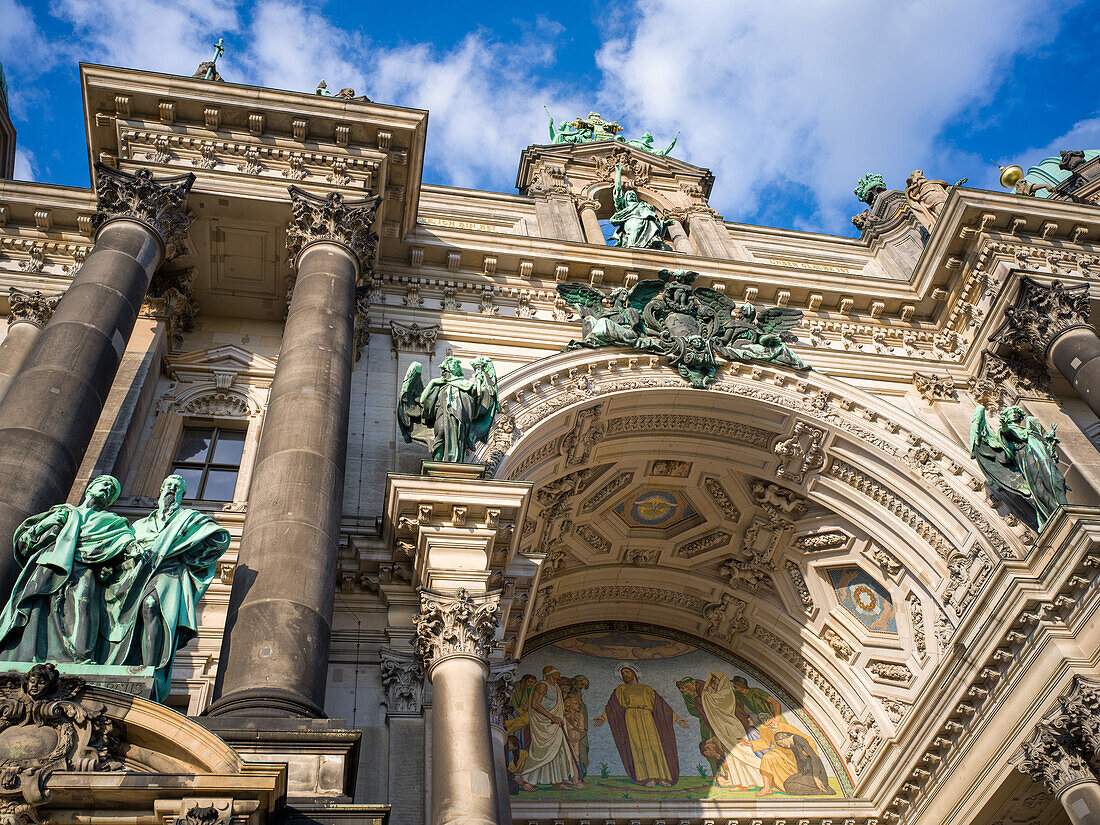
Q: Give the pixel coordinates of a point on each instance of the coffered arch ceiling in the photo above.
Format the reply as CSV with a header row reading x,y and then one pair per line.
x,y
791,518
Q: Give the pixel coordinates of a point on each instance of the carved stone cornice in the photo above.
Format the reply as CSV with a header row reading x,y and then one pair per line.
x,y
1041,313
502,679
1052,757
403,680
413,338
158,203
331,218
30,307
455,624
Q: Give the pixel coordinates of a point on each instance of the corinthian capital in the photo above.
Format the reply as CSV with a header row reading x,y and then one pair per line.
x,y
455,625
332,218
1080,717
1053,757
403,679
160,204
1041,313
502,679
31,307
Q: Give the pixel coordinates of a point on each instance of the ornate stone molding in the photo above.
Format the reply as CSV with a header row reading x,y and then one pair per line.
x,y
502,679
413,338
1052,757
456,624
1080,714
331,218
1041,313
30,307
158,203
403,681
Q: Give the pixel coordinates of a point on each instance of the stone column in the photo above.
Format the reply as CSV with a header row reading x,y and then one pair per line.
x,y
274,658
678,238
51,407
28,314
593,232
454,635
403,683
502,680
1050,323
1058,752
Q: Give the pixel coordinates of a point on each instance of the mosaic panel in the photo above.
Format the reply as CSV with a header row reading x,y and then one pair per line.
x,y
655,508
619,710
864,598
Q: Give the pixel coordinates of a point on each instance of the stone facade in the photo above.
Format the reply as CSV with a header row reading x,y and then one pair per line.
x,y
826,533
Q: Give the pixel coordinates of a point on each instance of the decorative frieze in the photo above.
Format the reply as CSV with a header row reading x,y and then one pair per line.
x,y
160,204
800,453
331,218
725,618
720,497
457,624
403,682
798,581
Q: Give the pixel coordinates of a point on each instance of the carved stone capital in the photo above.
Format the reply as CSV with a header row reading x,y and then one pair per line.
x,y
1041,313
413,337
158,203
934,387
457,624
502,679
30,307
403,680
586,203
331,218
1080,716
1053,758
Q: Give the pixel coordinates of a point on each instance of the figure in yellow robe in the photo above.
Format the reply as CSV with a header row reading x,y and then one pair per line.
x,y
777,764
641,725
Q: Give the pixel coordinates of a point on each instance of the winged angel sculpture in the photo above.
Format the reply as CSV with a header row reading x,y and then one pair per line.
x,y
691,326
1020,464
452,413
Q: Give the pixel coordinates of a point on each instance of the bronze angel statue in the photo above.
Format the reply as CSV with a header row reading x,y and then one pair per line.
x,y
1020,464
749,334
610,319
452,413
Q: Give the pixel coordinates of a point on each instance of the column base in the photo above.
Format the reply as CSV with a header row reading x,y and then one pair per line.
x,y
265,704
322,755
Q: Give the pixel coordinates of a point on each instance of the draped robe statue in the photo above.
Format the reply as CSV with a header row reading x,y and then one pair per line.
x,y
637,224
181,548
452,413
63,599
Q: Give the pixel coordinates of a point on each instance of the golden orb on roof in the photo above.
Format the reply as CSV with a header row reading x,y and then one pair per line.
x,y
1010,175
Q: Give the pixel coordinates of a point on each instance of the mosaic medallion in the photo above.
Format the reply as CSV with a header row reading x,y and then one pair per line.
x,y
864,598
654,508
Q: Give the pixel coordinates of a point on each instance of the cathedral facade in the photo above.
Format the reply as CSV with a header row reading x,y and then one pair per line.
x,y
577,505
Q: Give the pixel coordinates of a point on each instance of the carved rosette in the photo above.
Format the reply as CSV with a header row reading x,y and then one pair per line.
x,y
450,625
1041,313
502,679
158,203
331,218
30,307
403,680
1052,757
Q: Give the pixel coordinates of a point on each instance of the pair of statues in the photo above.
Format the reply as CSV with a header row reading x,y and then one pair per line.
x,y
95,589
594,128
1020,464
452,413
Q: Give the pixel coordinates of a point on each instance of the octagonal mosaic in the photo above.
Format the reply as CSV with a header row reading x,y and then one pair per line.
x,y
655,508
864,598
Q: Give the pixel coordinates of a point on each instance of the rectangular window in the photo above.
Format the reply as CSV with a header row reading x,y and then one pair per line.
x,y
209,459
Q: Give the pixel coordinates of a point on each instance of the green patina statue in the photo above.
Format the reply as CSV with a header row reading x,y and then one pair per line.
x,y
637,223
96,590
452,413
1020,464
594,128
868,188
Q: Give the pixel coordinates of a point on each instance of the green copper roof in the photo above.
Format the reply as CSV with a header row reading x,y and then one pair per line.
x,y
1048,172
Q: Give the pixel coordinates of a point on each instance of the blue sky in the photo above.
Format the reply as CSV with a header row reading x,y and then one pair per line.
x,y
788,103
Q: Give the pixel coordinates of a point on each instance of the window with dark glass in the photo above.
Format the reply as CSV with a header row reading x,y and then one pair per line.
x,y
209,459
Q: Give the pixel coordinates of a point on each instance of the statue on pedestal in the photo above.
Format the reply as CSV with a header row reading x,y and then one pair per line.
x,y
1020,464
452,413
63,599
927,196
180,548
637,223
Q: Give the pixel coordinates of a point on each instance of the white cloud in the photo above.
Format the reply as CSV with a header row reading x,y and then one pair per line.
x,y
812,93
1085,134
26,168
156,35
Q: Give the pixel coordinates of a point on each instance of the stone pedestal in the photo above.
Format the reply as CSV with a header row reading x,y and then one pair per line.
x,y
51,407
274,660
29,312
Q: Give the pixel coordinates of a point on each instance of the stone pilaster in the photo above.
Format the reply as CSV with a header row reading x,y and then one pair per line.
x,y
274,659
50,410
455,633
502,681
403,681
28,313
1050,323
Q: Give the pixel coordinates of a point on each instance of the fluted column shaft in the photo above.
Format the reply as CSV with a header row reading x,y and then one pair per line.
x,y
274,658
454,635
28,313
52,405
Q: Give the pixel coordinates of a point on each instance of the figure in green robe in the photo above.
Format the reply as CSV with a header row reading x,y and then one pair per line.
x,y
637,224
61,603
181,551
452,413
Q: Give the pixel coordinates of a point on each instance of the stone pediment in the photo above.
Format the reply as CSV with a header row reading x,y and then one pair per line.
x,y
228,360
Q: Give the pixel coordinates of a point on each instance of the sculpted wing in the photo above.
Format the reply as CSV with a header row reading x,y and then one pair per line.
x,y
485,379
410,413
997,465
645,291
587,300
716,301
777,320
